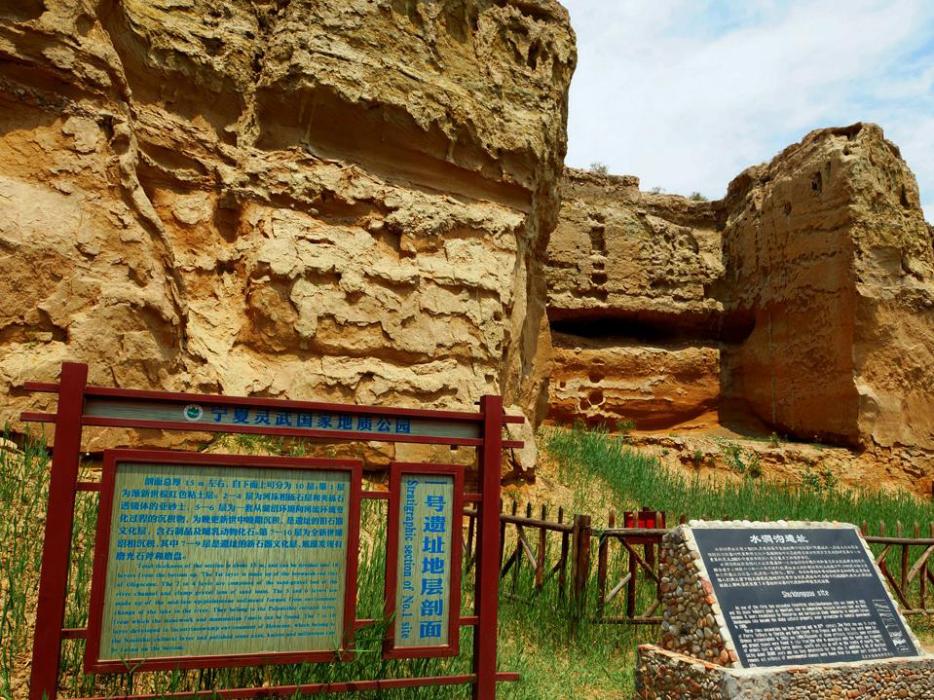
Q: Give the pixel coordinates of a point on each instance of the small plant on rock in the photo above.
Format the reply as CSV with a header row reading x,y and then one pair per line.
x,y
599,168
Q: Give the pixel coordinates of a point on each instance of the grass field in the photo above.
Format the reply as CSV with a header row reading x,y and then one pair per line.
x,y
631,479
557,658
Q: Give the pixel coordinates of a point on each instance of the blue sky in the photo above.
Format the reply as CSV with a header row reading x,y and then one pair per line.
x,y
686,94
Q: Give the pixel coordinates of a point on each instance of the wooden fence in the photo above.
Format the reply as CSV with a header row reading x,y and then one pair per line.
x,y
560,555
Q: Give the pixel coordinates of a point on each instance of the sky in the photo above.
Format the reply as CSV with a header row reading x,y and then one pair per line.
x,y
686,94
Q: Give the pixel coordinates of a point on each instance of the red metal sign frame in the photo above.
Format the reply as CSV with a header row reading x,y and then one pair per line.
x,y
69,419
92,661
452,648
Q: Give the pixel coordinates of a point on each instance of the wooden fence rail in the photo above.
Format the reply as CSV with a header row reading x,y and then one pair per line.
x,y
559,553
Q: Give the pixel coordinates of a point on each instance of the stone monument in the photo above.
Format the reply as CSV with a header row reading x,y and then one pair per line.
x,y
780,611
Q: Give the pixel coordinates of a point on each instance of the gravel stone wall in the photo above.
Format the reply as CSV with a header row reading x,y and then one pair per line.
x,y
665,675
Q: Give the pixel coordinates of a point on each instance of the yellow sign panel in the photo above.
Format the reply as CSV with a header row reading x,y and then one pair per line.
x,y
214,560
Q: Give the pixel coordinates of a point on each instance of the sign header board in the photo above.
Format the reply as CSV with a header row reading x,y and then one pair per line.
x,y
205,558
270,419
801,595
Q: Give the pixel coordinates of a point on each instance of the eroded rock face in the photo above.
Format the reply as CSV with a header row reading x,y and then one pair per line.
x,y
827,248
633,257
630,276
607,381
800,304
343,200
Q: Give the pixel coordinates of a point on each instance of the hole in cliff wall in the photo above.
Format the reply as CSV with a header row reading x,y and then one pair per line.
x,y
52,88
903,198
817,182
534,50
408,8
653,327
458,20
598,239
227,218
22,10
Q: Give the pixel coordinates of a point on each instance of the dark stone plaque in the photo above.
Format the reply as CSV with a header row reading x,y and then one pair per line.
x,y
801,596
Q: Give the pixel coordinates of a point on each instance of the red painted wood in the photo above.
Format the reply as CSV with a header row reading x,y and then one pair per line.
x,y
56,549
44,387
397,470
37,417
343,435
112,458
75,633
487,587
220,399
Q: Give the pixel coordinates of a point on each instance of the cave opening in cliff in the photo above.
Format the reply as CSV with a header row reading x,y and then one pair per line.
x,y
657,327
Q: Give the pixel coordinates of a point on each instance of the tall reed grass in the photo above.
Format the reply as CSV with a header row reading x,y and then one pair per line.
x,y
638,479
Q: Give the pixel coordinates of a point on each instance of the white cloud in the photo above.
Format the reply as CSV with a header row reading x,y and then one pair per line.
x,y
686,94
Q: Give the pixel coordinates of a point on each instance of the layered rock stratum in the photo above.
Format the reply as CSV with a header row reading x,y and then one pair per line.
x,y
343,200
801,304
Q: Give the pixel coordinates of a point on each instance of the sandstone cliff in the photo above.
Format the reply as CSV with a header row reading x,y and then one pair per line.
x,y
827,250
801,304
630,275
336,200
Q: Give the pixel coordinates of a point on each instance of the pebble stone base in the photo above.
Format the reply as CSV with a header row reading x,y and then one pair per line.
x,y
692,622
665,675
697,659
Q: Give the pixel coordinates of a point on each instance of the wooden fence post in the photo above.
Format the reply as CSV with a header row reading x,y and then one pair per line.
x,y
631,586
563,561
603,553
581,560
517,555
540,558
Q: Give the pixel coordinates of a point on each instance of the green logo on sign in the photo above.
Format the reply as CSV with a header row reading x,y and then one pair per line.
x,y
193,412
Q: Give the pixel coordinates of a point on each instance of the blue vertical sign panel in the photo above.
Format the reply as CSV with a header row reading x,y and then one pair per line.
x,y
424,567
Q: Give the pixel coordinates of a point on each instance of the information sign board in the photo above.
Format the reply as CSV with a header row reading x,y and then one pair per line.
x,y
423,573
801,595
246,559
199,632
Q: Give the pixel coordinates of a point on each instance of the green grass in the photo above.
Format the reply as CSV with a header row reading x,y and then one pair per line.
x,y
557,657
636,479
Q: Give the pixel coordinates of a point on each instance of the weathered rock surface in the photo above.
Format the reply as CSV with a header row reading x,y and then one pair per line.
x,y
802,303
602,381
632,257
827,248
339,200
630,276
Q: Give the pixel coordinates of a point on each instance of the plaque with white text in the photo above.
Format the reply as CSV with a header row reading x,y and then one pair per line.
x,y
801,595
223,560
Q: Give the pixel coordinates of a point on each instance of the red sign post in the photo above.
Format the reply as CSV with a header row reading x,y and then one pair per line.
x,y
81,405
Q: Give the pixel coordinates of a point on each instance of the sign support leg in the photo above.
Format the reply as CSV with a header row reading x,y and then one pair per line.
x,y
53,578
487,585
